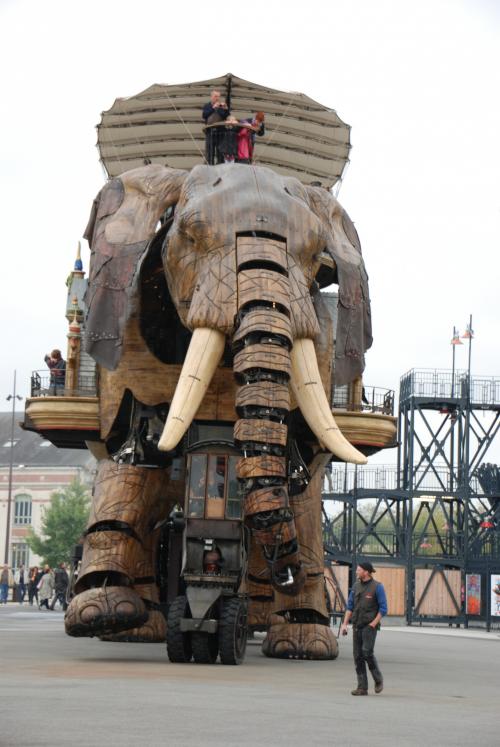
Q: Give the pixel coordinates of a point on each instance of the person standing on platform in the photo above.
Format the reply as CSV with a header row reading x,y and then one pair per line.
x,y
366,606
57,366
214,112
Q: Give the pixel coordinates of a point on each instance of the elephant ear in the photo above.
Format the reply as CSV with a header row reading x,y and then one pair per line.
x,y
122,222
354,329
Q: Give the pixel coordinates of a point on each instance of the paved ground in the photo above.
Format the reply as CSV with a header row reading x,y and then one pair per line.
x,y
441,689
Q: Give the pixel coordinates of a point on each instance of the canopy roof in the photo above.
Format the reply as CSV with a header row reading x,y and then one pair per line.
x,y
303,139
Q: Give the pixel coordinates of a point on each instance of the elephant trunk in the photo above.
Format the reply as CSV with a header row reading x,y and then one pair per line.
x,y
262,367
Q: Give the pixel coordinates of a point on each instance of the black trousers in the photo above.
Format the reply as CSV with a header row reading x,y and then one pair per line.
x,y
363,645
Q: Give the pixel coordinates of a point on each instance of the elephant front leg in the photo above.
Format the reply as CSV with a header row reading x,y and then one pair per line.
x,y
126,505
262,367
155,629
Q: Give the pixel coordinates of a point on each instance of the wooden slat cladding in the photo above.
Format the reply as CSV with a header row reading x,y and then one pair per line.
x,y
265,499
269,321
264,394
263,285
261,431
432,597
261,466
214,300
108,551
250,249
153,382
303,316
269,357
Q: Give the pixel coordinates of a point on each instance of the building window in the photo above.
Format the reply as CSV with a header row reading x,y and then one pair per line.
x,y
22,510
20,555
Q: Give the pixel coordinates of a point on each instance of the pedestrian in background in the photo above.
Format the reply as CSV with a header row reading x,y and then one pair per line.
x,y
6,580
61,581
45,588
366,605
34,578
20,580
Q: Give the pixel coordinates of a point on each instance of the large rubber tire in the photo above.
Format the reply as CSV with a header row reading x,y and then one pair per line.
x,y
178,643
233,630
205,647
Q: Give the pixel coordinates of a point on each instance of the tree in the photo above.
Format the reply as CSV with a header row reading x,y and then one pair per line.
x,y
63,524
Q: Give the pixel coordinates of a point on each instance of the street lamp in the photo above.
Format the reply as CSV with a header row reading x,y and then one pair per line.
x,y
455,340
12,397
469,335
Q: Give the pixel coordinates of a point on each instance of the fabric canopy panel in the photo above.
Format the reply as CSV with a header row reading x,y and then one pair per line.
x,y
163,124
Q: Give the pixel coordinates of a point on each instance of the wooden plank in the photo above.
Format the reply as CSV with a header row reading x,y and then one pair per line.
x,y
394,580
269,321
437,600
263,394
262,431
263,285
261,466
250,249
265,499
269,357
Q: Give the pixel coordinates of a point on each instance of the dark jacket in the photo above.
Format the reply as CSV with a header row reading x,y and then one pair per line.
x,y
209,111
61,580
365,602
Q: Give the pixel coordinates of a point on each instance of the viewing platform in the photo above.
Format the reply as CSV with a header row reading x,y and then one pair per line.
x,y
443,386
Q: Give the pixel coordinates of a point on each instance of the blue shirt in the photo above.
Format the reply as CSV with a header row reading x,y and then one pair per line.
x,y
381,599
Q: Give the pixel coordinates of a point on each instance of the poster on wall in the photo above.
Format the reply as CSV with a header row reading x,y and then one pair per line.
x,y
495,594
473,593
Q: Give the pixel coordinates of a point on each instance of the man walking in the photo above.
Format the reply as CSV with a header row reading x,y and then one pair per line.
x,y
366,606
61,581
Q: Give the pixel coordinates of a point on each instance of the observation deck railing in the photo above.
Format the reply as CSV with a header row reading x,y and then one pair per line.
x,y
345,478
374,399
44,384
444,384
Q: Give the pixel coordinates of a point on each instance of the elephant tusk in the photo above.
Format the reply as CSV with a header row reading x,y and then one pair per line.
x,y
202,358
311,398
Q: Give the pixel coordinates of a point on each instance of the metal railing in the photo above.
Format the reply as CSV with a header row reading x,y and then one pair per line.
x,y
374,399
443,545
45,384
444,384
486,545
345,478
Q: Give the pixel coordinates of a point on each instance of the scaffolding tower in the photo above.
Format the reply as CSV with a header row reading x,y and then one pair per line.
x,y
439,507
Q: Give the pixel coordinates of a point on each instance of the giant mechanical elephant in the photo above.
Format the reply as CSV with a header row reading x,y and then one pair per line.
x,y
235,255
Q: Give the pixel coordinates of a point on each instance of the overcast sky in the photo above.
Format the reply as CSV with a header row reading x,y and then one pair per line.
x,y
418,83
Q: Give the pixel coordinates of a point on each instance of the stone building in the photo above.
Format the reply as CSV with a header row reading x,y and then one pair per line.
x,y
38,469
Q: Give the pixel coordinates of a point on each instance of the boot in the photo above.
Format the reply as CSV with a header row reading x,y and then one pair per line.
x,y
362,688
377,676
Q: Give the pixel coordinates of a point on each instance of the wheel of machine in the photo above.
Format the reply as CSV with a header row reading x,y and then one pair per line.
x,y
233,629
205,647
178,643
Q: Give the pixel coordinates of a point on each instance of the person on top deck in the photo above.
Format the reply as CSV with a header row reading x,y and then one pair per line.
x,y
57,366
246,137
214,112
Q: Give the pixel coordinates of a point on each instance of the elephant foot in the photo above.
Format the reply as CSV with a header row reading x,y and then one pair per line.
x,y
102,610
300,641
153,631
